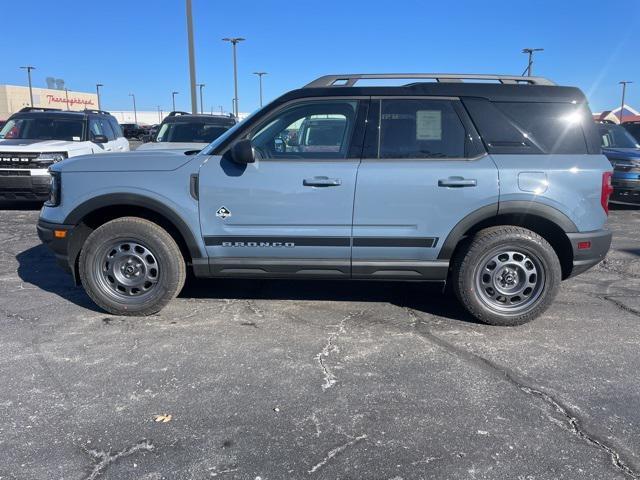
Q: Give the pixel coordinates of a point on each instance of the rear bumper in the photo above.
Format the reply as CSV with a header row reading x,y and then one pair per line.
x,y
585,258
20,185
59,246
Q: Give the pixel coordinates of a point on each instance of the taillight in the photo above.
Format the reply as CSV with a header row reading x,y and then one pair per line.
x,y
607,190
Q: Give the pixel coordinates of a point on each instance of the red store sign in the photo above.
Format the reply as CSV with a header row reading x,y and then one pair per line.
x,y
71,101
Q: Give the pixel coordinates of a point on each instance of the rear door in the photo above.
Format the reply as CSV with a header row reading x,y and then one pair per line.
x,y
424,169
290,212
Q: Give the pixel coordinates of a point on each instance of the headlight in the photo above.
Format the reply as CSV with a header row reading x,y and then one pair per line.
x,y
55,186
48,158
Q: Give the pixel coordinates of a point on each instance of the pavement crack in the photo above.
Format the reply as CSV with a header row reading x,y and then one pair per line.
x,y
329,377
622,306
104,459
570,421
336,451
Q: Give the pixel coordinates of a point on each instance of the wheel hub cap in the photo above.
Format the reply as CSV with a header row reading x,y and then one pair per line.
x,y
128,268
509,280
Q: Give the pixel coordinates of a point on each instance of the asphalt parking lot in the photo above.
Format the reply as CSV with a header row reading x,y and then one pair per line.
x,y
277,379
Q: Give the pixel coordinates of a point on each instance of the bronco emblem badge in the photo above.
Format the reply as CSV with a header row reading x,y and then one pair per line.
x,y
223,212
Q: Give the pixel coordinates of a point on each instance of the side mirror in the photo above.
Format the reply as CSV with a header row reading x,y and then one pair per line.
x,y
100,139
242,152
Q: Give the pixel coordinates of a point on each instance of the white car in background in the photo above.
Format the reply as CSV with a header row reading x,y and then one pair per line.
x,y
35,138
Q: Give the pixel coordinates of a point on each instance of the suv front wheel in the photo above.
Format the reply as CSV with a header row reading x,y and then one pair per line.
x,y
131,266
506,275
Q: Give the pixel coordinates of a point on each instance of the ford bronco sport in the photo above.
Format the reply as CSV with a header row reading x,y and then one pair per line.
x,y
35,138
498,188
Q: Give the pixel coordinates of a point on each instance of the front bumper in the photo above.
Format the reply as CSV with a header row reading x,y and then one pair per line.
x,y
20,185
626,188
59,245
585,258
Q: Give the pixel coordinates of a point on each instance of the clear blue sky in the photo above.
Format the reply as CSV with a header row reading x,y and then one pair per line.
x,y
140,46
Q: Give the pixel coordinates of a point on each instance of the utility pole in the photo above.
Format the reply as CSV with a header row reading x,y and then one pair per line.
x,y
135,112
624,91
66,92
530,52
28,68
234,41
260,74
201,86
98,85
221,110
159,115
173,99
192,59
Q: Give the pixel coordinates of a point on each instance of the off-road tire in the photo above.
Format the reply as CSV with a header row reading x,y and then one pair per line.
x,y
158,253
470,272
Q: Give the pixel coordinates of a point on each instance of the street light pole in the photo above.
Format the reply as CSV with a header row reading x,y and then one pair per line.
x,y
135,111
28,68
624,91
173,100
192,59
530,52
66,92
159,115
98,85
201,86
260,74
234,41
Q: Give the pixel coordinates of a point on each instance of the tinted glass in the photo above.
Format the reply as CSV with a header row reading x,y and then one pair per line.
x,y
116,127
43,128
190,132
420,129
633,129
309,130
551,127
95,128
106,128
615,136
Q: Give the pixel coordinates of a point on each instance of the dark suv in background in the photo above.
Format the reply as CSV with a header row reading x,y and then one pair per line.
x,y
182,130
133,131
623,151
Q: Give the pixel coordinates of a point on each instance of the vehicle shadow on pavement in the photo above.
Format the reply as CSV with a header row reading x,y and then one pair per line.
x,y
38,267
22,205
426,298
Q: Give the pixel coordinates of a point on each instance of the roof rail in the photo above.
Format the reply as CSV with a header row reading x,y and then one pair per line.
x,y
177,112
40,109
100,112
349,80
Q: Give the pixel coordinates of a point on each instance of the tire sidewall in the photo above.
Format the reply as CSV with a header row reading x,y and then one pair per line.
x,y
532,245
149,235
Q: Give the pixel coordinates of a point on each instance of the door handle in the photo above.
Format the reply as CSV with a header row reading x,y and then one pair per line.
x,y
457,182
321,182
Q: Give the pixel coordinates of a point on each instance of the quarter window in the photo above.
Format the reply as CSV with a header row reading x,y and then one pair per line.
x,y
417,128
309,130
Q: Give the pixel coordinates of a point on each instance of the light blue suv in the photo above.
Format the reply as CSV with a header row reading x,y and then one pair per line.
x,y
494,184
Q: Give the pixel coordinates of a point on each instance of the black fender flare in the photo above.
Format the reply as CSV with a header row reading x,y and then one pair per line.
x,y
137,200
511,207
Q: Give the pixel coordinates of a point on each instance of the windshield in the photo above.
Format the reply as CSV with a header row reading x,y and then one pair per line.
x,y
43,128
633,129
615,136
190,132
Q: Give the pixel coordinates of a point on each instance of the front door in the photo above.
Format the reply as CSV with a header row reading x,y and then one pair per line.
x,y
290,212
424,169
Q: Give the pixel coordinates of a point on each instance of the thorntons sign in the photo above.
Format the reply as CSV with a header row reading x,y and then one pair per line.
x,y
51,99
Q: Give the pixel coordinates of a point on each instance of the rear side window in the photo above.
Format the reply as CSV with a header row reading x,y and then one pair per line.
x,y
533,128
417,128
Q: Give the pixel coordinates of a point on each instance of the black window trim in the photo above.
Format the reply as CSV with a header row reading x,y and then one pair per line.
x,y
373,124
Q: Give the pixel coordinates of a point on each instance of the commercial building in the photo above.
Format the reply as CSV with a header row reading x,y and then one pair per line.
x,y
629,114
13,98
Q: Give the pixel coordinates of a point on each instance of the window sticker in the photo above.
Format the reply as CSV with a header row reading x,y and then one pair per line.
x,y
428,125
76,139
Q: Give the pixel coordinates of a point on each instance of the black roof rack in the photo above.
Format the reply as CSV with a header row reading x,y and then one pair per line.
x,y
177,112
349,80
39,109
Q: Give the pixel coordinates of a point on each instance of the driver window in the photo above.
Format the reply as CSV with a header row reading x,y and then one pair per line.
x,y
319,129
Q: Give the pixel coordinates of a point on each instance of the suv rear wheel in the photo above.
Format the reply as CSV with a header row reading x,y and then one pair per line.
x,y
506,275
131,266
